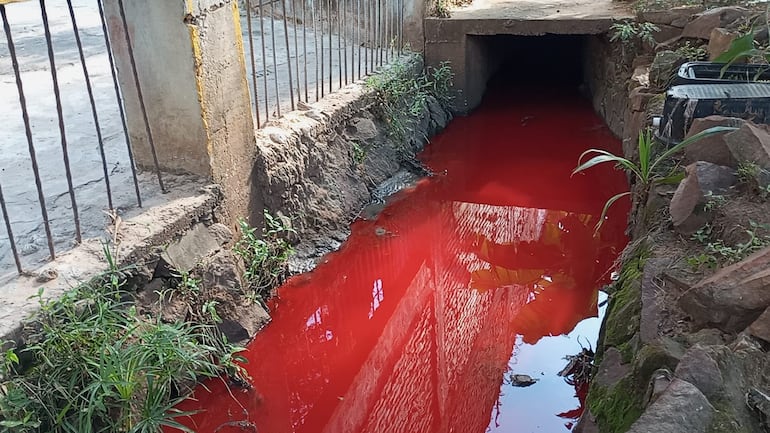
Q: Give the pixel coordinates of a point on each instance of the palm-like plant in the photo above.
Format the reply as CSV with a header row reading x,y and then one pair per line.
x,y
644,171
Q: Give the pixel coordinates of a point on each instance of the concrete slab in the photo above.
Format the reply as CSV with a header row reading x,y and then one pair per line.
x,y
544,10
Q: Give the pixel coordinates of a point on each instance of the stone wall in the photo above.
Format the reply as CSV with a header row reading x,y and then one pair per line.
x,y
319,167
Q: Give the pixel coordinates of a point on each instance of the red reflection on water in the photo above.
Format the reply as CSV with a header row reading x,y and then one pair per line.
x,y
410,326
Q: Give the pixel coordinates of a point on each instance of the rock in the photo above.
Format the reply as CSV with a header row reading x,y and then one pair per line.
x,y
233,330
666,33
745,344
221,272
663,69
278,137
659,381
733,297
361,129
713,148
707,337
221,282
677,17
184,253
750,143
698,368
438,115
640,96
759,403
663,353
705,22
680,409
703,179
651,309
611,369
587,423
719,41
221,233
641,78
761,327
522,380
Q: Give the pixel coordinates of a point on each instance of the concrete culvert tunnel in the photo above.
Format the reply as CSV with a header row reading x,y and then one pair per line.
x,y
550,60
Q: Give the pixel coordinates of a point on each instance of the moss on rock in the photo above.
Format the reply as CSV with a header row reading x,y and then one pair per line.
x,y
615,407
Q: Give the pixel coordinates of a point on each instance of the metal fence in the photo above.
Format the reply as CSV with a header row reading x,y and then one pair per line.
x,y
66,156
63,126
301,50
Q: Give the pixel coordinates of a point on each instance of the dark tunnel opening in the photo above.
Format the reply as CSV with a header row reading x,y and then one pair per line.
x,y
538,60
548,62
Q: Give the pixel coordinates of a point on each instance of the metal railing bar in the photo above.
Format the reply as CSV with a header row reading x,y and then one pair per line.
x,y
315,48
142,106
400,27
322,62
358,34
331,52
296,49
253,61
60,115
387,31
379,32
339,43
275,62
367,32
119,99
304,46
8,229
264,59
345,37
90,91
28,130
288,54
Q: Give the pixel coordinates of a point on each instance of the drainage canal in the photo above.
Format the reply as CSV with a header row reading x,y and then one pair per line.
x,y
472,284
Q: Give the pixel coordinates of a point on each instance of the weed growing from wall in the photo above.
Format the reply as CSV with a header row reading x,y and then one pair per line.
x,y
403,96
716,251
265,254
628,32
96,365
646,171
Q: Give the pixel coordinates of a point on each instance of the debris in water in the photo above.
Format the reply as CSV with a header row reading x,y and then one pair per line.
x,y
244,426
521,380
578,369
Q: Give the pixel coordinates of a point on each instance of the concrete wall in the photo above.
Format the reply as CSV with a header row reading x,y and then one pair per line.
x,y
166,69
191,67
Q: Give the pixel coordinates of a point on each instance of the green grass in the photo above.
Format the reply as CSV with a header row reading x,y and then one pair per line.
x,y
264,253
96,365
402,95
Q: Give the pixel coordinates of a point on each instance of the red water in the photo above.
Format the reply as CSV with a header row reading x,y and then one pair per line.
x,y
412,326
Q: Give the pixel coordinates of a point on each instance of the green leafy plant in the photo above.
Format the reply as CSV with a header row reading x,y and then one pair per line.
x,y
97,366
714,201
265,254
402,96
692,52
628,32
359,153
752,175
702,260
746,47
441,9
644,171
716,251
